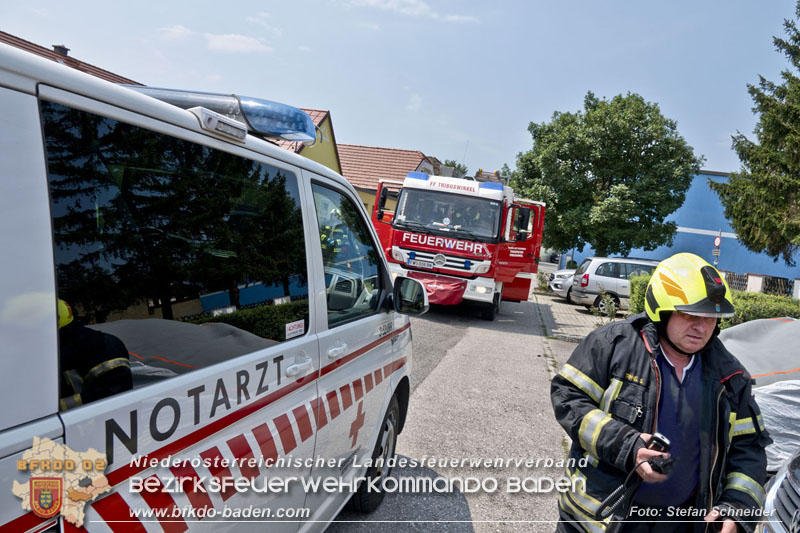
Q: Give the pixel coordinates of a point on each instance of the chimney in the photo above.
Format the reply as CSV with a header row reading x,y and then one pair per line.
x,y
61,49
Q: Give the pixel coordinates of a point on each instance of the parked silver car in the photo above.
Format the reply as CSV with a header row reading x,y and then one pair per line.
x,y
610,275
561,283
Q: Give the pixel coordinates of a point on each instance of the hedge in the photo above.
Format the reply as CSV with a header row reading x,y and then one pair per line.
x,y
749,305
267,321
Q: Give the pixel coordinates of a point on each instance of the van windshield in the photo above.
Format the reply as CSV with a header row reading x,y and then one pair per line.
x,y
467,217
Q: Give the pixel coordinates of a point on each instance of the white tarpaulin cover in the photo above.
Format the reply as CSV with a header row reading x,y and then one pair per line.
x,y
770,350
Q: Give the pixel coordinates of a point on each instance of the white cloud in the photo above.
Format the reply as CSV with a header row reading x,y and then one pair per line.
x,y
176,33
414,103
305,48
235,43
412,8
461,19
369,26
261,19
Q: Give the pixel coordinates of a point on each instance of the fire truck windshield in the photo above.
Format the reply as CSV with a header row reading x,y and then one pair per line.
x,y
468,217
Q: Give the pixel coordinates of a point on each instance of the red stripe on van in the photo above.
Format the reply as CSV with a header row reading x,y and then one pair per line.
x,y
368,382
162,501
349,357
112,508
318,408
358,389
347,400
378,377
303,424
286,433
265,441
198,499
333,403
244,455
216,468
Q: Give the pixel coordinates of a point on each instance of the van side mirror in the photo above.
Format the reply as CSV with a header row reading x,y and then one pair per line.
x,y
380,214
409,296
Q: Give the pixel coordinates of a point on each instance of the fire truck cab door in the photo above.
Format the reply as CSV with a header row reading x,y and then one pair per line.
x,y
517,253
383,213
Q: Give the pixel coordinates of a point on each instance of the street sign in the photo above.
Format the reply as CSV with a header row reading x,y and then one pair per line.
x,y
717,240
715,251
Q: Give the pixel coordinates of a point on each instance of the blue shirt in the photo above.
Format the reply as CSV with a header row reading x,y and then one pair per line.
x,y
679,420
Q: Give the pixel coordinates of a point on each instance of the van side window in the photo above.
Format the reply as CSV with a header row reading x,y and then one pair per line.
x,y
350,259
169,255
633,269
609,270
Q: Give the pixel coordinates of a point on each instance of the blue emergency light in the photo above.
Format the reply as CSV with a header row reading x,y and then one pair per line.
x,y
491,185
264,117
417,175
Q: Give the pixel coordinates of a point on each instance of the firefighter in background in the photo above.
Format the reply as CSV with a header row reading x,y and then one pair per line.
x,y
94,364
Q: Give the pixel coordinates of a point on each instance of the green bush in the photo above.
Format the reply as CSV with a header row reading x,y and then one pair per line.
x,y
753,305
267,321
638,288
749,305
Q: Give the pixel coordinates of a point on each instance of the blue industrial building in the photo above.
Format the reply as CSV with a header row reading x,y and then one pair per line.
x,y
699,220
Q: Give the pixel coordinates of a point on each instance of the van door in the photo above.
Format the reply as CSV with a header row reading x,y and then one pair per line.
x,y
28,357
190,352
356,347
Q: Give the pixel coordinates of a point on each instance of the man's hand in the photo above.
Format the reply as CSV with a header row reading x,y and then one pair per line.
x,y
644,470
728,526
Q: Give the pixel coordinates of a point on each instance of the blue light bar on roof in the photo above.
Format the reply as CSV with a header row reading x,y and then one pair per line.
x,y
270,119
492,185
275,119
417,175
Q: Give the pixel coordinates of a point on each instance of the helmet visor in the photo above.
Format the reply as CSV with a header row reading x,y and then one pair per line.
x,y
707,308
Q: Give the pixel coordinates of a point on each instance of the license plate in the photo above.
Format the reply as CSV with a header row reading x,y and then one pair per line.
x,y
421,264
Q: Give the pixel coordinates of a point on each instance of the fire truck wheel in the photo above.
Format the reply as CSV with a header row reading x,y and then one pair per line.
x,y
491,310
366,501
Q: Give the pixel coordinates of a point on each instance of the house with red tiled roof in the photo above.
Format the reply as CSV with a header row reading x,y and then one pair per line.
x,y
59,54
322,151
364,166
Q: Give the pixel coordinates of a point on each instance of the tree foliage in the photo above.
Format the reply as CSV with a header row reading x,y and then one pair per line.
x,y
610,175
762,200
459,167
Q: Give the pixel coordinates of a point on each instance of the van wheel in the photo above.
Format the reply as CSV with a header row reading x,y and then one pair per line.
x,y
491,310
366,501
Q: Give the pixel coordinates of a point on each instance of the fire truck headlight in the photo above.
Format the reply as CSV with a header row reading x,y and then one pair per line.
x,y
397,254
482,290
482,269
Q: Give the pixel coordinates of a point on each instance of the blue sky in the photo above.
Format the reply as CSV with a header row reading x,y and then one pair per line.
x,y
455,79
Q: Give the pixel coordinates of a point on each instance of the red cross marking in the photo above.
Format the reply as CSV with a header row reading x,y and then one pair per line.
x,y
357,424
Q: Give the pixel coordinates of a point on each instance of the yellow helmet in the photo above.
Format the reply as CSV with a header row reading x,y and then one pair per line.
x,y
686,283
64,313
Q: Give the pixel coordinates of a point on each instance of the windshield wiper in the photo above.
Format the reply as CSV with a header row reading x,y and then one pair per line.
x,y
414,224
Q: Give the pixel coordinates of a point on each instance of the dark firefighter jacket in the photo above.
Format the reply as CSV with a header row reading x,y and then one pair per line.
x,y
607,394
94,365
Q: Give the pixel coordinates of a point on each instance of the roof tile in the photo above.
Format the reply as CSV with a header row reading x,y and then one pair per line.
x,y
363,166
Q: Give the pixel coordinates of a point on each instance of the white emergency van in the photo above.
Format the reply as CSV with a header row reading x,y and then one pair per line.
x,y
188,313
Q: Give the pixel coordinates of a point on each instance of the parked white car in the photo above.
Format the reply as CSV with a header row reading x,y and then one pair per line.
x,y
561,283
609,275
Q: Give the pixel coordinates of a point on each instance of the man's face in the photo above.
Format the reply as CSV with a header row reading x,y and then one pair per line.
x,y
690,333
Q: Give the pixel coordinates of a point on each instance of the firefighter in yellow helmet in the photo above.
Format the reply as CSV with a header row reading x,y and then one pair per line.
x,y
663,371
94,364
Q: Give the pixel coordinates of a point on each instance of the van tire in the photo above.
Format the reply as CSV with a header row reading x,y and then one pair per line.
x,y
601,307
366,501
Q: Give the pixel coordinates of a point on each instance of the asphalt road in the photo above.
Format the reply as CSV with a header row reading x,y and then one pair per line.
x,y
481,392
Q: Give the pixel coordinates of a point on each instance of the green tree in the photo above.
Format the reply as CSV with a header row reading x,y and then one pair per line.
x,y
610,175
762,200
460,167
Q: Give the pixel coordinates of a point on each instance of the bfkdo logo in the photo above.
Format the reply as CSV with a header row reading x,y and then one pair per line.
x,y
46,496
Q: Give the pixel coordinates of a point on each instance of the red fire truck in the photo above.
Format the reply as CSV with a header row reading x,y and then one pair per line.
x,y
464,240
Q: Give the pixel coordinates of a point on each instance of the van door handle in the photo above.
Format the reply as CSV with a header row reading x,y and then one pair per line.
x,y
337,351
299,368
